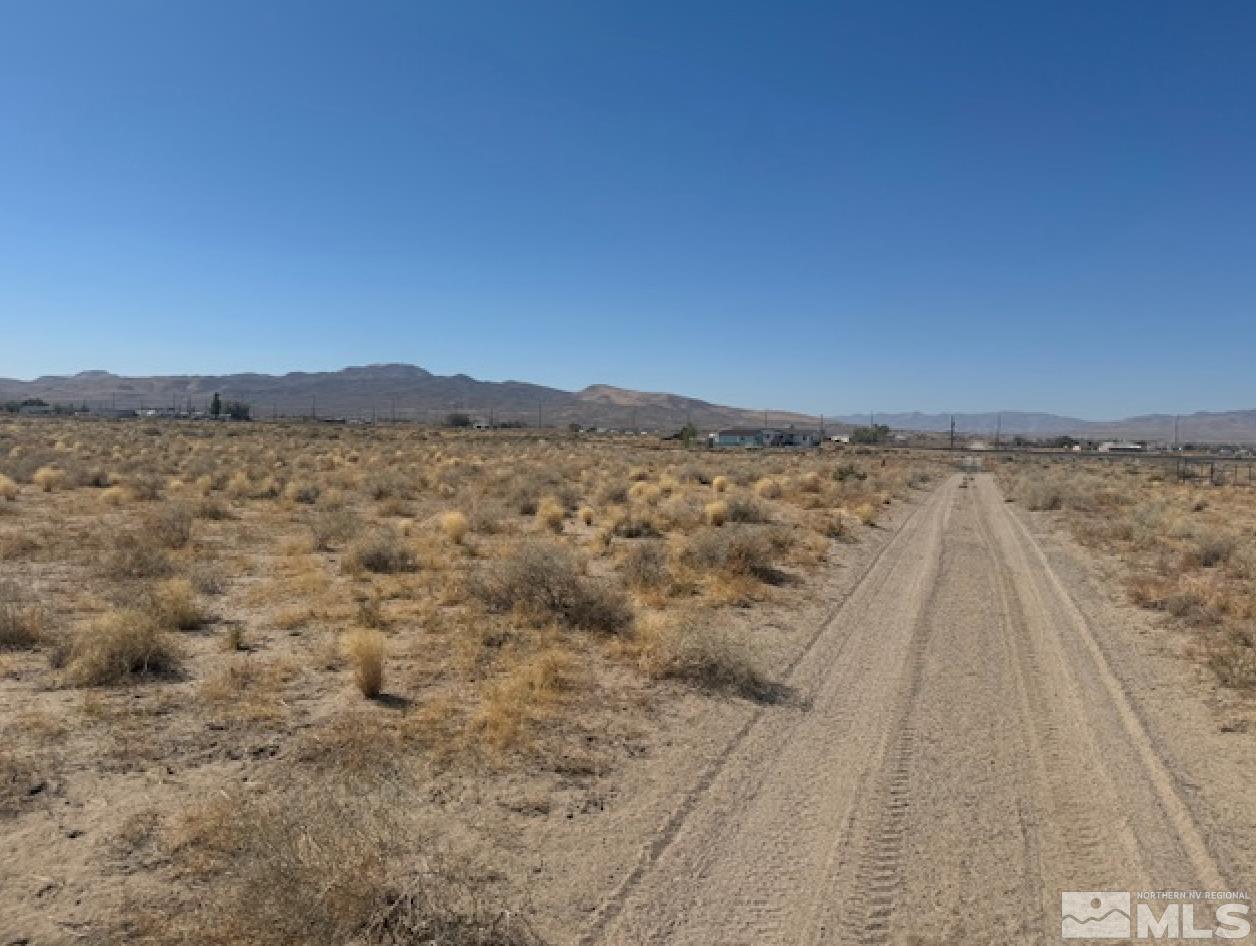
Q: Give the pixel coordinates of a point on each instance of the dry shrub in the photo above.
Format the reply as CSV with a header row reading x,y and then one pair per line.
x,y
709,656
170,527
645,567
330,862
1232,657
550,514
173,605
746,509
383,552
1040,492
720,484
21,622
212,509
736,552
119,647
810,482
136,556
333,527
586,515
50,478
8,489
715,513
455,526
365,649
633,524
768,488
544,582
301,492
1213,549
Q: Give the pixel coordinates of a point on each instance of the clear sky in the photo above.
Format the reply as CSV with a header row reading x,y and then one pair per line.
x,y
820,206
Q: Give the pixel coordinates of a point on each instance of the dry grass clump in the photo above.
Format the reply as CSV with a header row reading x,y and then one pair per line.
x,y
383,552
327,863
50,478
525,696
543,582
8,489
768,488
21,622
586,515
720,484
707,655
715,513
174,605
455,526
550,514
119,647
365,648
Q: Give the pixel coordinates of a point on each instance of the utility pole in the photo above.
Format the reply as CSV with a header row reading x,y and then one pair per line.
x,y
538,415
952,431
998,431
313,407
1175,431
765,419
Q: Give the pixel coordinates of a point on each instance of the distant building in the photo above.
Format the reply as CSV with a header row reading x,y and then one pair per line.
x,y
1120,446
755,437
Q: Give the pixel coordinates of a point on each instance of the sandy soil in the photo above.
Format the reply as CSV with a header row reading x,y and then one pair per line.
x,y
977,727
970,720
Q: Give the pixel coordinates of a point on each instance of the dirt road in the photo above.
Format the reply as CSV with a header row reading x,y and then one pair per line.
x,y
966,751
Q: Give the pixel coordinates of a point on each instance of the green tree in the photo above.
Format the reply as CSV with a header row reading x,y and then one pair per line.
x,y
215,405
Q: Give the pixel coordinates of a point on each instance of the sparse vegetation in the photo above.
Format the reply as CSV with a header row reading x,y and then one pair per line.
x,y
505,602
1188,549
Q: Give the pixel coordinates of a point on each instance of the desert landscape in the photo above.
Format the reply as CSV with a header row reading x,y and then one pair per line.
x,y
294,683
649,474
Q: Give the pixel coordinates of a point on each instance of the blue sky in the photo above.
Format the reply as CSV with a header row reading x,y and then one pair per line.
x,y
820,206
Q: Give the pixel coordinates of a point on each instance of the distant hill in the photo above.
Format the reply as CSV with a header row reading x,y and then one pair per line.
x,y
411,393
406,391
